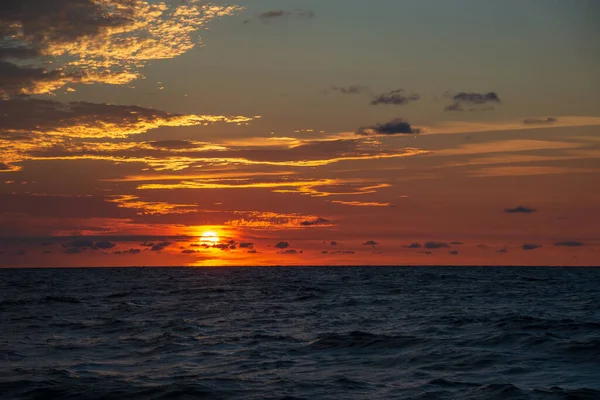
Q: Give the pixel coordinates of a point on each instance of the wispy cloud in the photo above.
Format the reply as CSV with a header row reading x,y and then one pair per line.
x,y
362,203
352,89
540,121
398,97
529,170
151,207
272,15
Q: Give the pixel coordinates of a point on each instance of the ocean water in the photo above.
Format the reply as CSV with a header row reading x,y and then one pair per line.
x,y
300,333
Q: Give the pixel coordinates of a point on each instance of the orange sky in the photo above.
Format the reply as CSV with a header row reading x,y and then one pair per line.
x,y
123,140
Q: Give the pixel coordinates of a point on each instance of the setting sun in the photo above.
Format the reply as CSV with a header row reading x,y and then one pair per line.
x,y
209,238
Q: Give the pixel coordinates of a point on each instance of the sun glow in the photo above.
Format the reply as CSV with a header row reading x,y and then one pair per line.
x,y
209,238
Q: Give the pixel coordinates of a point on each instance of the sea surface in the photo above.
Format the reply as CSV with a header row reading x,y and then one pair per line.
x,y
300,333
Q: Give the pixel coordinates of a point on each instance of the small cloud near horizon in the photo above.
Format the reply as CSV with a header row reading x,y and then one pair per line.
x,y
520,209
530,246
397,126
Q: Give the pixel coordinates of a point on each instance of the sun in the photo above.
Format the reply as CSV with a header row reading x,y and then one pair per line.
x,y
209,238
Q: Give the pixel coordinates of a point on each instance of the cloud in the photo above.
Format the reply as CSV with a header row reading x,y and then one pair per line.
x,y
246,245
4,167
273,220
317,221
352,89
173,144
104,245
414,245
151,208
474,101
520,209
529,171
291,251
130,251
282,245
333,243
88,41
91,120
396,97
453,252
362,203
160,246
435,245
393,127
370,243
540,121
268,16
306,155
530,246
569,243
80,243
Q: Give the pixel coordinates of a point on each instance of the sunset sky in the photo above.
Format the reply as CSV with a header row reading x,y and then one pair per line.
x,y
299,132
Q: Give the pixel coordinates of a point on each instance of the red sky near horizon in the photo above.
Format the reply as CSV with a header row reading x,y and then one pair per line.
x,y
292,132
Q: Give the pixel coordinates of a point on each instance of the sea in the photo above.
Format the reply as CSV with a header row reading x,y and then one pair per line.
x,y
300,333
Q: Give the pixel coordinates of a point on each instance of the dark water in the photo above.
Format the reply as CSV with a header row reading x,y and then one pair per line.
x,y
300,333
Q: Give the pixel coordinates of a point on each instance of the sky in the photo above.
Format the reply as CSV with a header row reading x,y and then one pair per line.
x,y
299,132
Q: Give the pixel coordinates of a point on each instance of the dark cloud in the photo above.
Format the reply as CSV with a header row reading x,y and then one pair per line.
x,y
456,242
435,245
318,221
19,80
282,245
160,246
396,97
246,245
269,16
502,250
414,245
464,101
80,243
104,245
252,251
370,243
333,243
59,42
453,252
540,121
17,53
130,251
530,246
520,209
337,252
569,243
73,250
29,27
60,21
291,251
188,251
394,127
352,89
